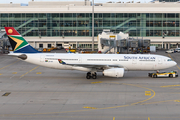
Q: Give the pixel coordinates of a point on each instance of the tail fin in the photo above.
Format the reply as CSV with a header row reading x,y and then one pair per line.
x,y
18,43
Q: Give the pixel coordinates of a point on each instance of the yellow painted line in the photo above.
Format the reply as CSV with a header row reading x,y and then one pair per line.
x,y
173,60
176,100
148,118
93,107
96,82
38,73
89,107
29,71
147,93
9,65
113,118
0,74
170,86
14,73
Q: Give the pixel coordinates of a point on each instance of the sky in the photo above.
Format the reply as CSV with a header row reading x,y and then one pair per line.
x,y
95,1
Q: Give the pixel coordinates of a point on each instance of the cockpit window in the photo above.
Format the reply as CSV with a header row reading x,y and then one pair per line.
x,y
169,60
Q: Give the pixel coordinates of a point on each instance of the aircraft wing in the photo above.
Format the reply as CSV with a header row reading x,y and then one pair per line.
x,y
90,65
94,65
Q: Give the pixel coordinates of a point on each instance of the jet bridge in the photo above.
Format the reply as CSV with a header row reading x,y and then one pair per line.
x,y
121,43
110,42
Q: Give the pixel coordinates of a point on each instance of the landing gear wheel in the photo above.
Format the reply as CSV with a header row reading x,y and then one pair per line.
x,y
170,75
154,76
94,76
88,77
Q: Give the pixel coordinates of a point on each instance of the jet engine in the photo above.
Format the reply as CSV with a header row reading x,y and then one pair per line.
x,y
114,72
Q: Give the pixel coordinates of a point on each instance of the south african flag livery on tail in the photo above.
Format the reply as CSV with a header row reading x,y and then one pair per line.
x,y
18,43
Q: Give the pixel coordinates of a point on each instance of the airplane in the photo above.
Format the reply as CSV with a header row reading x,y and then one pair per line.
x,y
112,65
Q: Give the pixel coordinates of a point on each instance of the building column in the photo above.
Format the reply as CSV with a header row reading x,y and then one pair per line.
x,y
54,43
34,44
143,24
165,46
168,45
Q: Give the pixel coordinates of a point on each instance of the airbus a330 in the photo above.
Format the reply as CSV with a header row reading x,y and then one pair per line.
x,y
112,65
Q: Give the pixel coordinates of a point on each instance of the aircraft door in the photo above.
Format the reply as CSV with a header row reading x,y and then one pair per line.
x,y
159,60
80,59
42,58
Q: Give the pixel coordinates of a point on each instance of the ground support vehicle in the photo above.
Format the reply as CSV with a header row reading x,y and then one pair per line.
x,y
164,74
170,51
177,50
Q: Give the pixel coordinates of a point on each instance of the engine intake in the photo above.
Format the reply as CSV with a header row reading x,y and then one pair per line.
x,y
114,72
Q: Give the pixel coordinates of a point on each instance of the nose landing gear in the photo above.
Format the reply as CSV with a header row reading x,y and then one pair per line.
x,y
91,75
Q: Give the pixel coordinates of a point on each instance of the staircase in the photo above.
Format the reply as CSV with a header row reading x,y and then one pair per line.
x,y
120,25
27,31
30,20
131,28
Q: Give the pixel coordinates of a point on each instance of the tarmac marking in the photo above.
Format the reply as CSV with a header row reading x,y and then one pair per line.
x,y
127,105
173,60
14,73
148,118
38,73
96,82
170,86
29,71
147,93
6,94
105,117
9,65
89,107
113,118
176,100
0,74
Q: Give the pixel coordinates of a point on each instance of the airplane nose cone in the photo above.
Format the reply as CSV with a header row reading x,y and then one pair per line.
x,y
174,63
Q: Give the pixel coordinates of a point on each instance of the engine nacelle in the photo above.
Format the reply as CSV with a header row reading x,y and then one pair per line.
x,y
114,72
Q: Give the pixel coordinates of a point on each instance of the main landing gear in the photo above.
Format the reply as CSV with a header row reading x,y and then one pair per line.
x,y
91,75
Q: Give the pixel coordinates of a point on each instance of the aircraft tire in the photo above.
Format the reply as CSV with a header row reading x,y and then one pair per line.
x,y
94,76
88,77
154,76
88,73
170,75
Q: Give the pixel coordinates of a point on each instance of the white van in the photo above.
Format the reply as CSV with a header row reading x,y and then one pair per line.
x,y
177,50
170,51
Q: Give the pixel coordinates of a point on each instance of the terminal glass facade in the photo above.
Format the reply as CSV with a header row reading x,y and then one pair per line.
x,y
80,24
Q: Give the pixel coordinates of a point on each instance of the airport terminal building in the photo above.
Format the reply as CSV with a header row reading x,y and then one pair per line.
x,y
47,24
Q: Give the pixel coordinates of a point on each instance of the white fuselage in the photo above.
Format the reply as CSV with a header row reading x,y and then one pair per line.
x,y
127,61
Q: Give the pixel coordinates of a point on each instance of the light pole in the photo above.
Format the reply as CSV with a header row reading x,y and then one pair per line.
x,y
92,25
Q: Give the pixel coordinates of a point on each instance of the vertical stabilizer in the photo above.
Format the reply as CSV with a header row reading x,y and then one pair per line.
x,y
18,43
